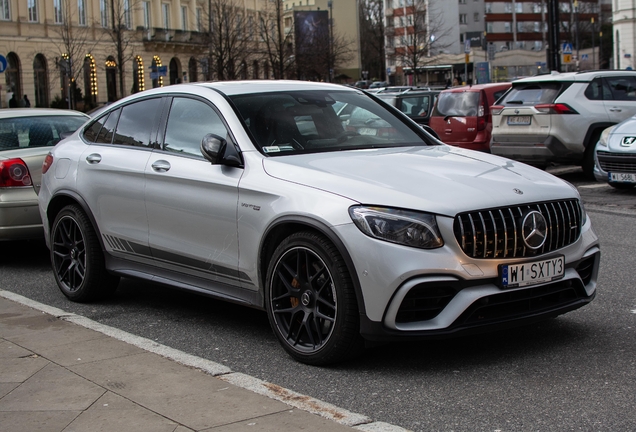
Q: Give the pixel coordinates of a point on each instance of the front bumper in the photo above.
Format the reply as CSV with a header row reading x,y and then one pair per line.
x,y
421,294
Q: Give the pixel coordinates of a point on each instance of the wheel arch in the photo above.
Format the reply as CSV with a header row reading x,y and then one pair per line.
x,y
288,225
66,197
592,130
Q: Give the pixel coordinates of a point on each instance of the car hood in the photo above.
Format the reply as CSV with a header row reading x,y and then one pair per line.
x,y
626,129
439,179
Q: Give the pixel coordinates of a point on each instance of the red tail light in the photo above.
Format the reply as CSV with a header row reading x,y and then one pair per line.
x,y
496,109
14,173
559,108
48,161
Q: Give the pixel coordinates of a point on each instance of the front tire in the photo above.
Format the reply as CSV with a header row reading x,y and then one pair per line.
x,y
310,301
77,258
588,157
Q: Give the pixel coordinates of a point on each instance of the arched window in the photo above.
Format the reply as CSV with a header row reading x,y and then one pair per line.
x,y
175,71
111,79
157,81
41,81
193,73
255,70
243,70
12,75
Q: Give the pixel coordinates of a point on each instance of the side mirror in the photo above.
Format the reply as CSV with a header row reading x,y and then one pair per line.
x,y
216,150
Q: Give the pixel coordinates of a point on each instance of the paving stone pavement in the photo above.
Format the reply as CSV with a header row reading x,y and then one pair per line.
x,y
56,375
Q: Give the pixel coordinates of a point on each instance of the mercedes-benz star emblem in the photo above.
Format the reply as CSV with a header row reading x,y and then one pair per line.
x,y
534,229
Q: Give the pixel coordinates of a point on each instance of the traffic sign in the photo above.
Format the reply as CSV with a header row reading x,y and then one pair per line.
x,y
3,63
566,48
566,58
585,57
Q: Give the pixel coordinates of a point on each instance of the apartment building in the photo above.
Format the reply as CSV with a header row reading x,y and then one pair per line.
x,y
53,46
624,23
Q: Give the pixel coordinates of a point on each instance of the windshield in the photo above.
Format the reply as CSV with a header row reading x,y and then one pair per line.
x,y
455,104
532,94
320,120
39,131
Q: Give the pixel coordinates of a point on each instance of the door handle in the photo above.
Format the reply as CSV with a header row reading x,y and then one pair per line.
x,y
94,158
615,109
161,165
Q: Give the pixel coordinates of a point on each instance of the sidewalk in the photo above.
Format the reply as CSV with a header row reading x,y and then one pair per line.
x,y
56,375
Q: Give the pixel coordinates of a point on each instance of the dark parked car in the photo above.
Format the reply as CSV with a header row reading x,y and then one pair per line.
x,y
462,117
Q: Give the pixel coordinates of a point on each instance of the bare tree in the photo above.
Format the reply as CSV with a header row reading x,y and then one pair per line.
x,y
75,41
414,46
372,37
118,26
278,43
231,39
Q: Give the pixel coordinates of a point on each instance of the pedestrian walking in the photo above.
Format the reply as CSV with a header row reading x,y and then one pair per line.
x,y
27,102
13,102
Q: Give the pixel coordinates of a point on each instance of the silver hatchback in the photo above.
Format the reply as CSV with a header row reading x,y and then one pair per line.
x,y
264,194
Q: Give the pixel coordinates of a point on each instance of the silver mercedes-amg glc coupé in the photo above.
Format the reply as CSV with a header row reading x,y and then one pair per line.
x,y
322,205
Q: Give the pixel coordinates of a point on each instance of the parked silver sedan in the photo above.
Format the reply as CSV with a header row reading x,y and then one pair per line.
x,y
260,193
26,136
615,155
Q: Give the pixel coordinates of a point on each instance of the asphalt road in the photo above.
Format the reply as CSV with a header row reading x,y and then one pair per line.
x,y
575,372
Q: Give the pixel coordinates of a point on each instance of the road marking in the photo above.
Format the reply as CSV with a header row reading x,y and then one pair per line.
x,y
595,186
290,397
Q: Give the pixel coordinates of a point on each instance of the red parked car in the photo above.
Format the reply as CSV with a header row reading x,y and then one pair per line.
x,y
461,116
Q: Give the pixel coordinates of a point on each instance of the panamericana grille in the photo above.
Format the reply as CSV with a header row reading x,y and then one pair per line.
x,y
617,162
496,233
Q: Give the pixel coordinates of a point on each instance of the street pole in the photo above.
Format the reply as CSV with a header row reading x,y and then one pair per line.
x,y
553,57
576,18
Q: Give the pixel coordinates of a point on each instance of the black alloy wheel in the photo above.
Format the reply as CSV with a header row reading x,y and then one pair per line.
x,y
77,258
310,301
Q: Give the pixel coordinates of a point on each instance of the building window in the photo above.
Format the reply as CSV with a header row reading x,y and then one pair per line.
x,y
103,9
507,27
32,6
127,14
538,45
462,1
488,8
184,18
476,16
508,7
462,19
5,13
57,11
146,8
565,7
489,27
165,7
537,27
409,20
199,19
518,7
81,12
536,8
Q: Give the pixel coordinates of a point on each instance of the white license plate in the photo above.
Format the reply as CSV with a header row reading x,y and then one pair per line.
x,y
367,131
622,177
519,120
532,273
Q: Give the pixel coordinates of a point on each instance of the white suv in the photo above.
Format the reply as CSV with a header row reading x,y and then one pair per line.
x,y
559,117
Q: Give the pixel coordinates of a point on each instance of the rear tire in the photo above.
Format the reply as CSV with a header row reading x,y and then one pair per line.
x,y
77,258
588,156
310,301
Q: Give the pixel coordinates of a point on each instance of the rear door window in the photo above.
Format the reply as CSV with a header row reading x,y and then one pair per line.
x,y
622,88
454,104
532,94
598,89
137,122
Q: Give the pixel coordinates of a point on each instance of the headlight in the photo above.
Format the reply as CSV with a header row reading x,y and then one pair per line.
x,y
605,136
583,213
403,227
